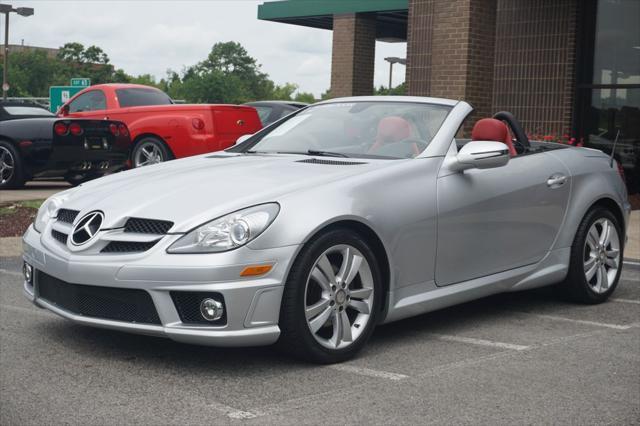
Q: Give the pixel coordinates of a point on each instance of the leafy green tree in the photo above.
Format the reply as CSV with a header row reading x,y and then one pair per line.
x,y
305,97
398,90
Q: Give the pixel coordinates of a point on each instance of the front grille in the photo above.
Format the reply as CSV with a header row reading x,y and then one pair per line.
x,y
147,226
60,236
119,304
188,306
330,162
127,247
66,215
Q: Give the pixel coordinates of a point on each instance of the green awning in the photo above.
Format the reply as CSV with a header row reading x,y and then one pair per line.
x,y
391,15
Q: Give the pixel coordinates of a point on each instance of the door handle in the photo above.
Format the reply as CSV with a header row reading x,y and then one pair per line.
x,y
556,180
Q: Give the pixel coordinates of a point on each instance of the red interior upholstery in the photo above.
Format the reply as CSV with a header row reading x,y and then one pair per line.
x,y
390,130
490,129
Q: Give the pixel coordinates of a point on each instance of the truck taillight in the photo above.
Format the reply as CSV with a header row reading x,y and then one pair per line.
x,y
197,123
61,129
113,128
620,171
123,130
75,129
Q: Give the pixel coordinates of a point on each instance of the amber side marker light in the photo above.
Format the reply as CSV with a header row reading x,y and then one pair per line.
x,y
252,271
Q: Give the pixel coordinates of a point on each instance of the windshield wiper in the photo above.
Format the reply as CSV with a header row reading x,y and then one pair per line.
x,y
326,153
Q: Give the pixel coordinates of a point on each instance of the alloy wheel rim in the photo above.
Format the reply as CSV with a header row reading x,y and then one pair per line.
x,y
601,258
7,165
339,296
147,154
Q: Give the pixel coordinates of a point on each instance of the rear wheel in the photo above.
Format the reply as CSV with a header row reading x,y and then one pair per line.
x,y
331,299
11,168
148,151
596,258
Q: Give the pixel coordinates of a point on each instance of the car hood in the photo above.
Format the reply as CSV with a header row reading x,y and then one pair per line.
x,y
192,191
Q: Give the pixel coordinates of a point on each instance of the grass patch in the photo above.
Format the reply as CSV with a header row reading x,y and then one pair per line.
x,y
12,207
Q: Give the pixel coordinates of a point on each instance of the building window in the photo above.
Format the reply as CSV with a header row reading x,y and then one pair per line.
x,y
608,83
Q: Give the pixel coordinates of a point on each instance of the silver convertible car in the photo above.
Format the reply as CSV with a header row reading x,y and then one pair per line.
x,y
344,215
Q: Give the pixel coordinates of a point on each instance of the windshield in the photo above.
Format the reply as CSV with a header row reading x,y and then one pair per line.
x,y
141,97
354,129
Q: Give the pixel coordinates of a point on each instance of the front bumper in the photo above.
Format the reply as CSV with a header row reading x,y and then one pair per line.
x,y
252,304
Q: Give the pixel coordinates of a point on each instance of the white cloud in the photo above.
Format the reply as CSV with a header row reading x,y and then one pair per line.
x,y
152,36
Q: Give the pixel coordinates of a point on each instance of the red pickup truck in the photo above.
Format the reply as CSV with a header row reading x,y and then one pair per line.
x,y
161,130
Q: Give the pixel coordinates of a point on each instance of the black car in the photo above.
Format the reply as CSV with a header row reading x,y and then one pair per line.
x,y
272,111
12,110
74,149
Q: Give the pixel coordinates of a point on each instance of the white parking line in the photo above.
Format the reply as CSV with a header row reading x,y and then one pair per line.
x,y
363,371
480,342
577,321
630,262
636,302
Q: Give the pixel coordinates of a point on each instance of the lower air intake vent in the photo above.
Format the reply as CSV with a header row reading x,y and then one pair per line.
x,y
118,304
66,215
147,226
330,162
127,247
60,236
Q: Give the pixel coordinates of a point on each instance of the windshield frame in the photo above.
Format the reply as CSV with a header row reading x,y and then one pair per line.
x,y
245,147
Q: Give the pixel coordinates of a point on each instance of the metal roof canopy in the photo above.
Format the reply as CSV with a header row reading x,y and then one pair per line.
x,y
391,15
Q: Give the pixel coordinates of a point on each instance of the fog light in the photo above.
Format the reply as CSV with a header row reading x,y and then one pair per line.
x,y
27,271
211,309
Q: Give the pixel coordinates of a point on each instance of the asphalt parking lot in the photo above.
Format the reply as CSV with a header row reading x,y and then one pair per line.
x,y
510,359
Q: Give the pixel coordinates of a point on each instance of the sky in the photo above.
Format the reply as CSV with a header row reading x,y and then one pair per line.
x,y
151,36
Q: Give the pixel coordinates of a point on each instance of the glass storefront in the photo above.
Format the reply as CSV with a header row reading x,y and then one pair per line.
x,y
608,97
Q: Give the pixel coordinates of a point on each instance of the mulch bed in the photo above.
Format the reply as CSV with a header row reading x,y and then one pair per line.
x,y
16,222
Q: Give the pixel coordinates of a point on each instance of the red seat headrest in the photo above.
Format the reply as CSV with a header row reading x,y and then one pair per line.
x,y
491,129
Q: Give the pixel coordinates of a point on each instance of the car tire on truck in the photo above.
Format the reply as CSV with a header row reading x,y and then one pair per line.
x,y
150,150
11,170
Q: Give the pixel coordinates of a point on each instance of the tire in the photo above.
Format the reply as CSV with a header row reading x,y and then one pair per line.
x,y
149,150
596,258
11,167
355,304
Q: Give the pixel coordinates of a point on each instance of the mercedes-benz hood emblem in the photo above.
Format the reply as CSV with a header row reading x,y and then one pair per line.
x,y
86,228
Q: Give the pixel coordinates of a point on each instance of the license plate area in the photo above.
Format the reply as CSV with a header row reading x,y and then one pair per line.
x,y
96,143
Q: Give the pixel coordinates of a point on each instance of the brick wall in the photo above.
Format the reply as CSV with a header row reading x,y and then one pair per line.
x,y
450,51
352,61
535,63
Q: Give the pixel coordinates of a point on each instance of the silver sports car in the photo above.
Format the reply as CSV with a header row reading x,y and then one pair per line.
x,y
347,214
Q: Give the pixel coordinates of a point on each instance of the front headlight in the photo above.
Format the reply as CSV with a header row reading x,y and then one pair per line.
x,y
227,232
49,209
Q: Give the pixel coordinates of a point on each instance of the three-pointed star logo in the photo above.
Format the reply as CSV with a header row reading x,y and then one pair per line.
x,y
86,228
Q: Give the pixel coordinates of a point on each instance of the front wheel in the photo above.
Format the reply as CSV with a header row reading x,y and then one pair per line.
x,y
148,151
596,258
331,299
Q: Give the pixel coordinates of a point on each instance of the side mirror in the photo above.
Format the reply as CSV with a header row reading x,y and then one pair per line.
x,y
482,155
64,110
242,138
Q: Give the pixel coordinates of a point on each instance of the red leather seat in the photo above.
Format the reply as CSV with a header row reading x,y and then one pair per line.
x,y
490,129
390,130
